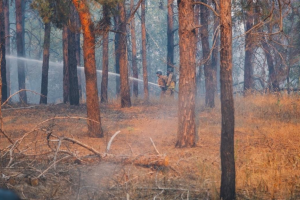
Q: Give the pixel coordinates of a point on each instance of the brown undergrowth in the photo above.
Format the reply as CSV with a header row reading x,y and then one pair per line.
x,y
266,151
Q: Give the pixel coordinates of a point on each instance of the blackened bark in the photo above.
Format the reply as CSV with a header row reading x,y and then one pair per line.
x,y
7,44
65,63
144,55
72,61
198,50
78,51
208,71
20,48
170,36
187,82
227,106
117,53
45,67
104,82
248,68
123,62
133,46
93,108
273,82
3,85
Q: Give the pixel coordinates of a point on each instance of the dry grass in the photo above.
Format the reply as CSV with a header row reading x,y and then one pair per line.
x,y
266,150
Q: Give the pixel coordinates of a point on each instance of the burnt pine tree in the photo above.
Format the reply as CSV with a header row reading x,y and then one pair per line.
x,y
227,107
72,61
122,49
65,64
93,108
105,29
117,52
144,55
45,66
208,71
187,82
215,52
133,47
248,68
7,44
20,47
170,35
2,58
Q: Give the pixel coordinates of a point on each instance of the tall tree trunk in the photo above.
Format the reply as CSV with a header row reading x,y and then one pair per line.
x,y
66,65
227,106
273,82
45,67
124,83
187,82
117,53
2,58
20,48
215,52
144,55
198,49
7,44
170,36
248,68
77,43
133,46
104,83
208,71
73,78
93,109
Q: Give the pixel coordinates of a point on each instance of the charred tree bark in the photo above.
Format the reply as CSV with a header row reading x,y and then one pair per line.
x,y
227,106
7,44
273,82
187,83
248,68
198,50
208,71
170,36
117,53
2,59
104,83
78,51
20,48
45,67
144,55
124,83
93,109
66,65
72,61
134,61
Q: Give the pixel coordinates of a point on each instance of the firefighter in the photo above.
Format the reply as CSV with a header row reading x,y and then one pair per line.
x,y
171,82
162,80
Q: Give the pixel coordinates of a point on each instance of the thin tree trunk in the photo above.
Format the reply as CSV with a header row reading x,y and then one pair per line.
x,y
2,57
93,109
273,82
7,44
45,67
123,62
198,49
248,68
215,52
208,71
144,55
20,48
72,63
117,53
227,106
77,43
104,83
66,65
187,82
170,36
133,46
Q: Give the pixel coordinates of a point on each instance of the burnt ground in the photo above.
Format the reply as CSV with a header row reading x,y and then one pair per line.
x,y
267,153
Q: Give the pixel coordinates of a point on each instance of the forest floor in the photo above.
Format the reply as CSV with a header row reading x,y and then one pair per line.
x,y
267,152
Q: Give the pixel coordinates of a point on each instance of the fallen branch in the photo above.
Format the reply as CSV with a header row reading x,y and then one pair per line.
x,y
5,102
110,141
